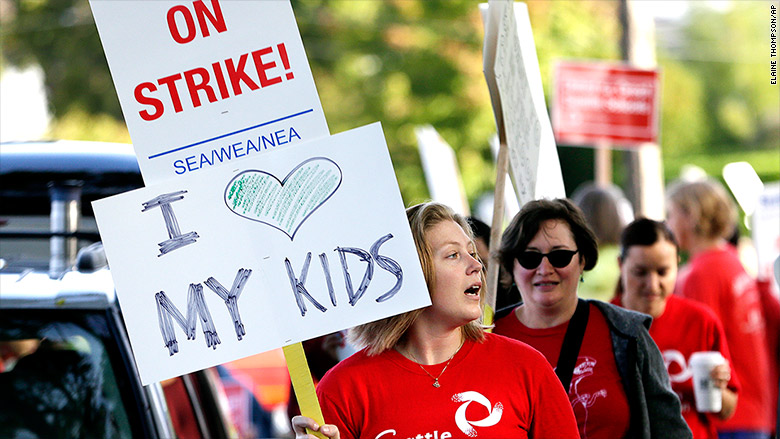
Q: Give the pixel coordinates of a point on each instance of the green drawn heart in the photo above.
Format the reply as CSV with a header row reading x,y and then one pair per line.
x,y
284,205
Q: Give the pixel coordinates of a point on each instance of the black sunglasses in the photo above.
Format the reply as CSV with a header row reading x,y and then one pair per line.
x,y
557,258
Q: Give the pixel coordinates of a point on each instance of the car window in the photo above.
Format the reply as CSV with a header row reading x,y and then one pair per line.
x,y
27,173
57,378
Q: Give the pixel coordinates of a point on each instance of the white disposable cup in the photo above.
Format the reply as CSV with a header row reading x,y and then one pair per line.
x,y
708,397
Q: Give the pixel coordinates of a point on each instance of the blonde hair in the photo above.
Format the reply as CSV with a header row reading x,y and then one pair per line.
x,y
384,334
709,206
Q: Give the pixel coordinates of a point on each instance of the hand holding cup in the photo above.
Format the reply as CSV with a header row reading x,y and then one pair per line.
x,y
721,375
711,374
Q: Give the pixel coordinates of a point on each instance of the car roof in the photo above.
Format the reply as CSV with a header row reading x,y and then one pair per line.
x,y
73,290
27,168
38,155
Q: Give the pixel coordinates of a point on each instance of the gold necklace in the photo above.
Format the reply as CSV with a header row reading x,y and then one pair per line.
x,y
436,379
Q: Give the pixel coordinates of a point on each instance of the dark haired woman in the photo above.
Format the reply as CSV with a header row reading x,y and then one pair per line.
x,y
648,271
602,354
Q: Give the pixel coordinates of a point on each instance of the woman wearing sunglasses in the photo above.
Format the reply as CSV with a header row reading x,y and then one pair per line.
x,y
603,355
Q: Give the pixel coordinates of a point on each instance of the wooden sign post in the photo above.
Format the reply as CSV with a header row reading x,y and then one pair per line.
x,y
303,385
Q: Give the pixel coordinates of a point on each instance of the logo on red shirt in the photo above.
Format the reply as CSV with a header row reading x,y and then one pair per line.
x,y
466,425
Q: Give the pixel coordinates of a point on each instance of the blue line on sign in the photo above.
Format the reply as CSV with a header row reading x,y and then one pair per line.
x,y
229,134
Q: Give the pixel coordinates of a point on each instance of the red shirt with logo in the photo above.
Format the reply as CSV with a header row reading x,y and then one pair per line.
x,y
686,327
596,393
498,389
717,279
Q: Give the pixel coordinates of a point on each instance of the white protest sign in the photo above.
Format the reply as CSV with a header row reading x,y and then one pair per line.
x,y
549,178
282,247
441,170
745,184
490,20
518,94
766,230
206,82
522,125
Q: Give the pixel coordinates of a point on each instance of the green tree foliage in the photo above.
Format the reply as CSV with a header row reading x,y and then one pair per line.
x,y
564,30
683,112
411,62
718,103
404,63
728,53
61,37
407,63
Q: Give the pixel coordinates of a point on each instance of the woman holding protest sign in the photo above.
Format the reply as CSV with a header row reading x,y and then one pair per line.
x,y
434,372
648,271
604,356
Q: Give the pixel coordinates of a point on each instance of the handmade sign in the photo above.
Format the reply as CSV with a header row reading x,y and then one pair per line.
x,y
512,73
208,81
521,123
282,247
766,232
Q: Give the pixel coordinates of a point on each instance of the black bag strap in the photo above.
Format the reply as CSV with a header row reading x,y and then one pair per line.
x,y
572,341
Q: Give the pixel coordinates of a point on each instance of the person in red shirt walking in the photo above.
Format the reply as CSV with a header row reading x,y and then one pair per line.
x,y
648,271
701,214
603,354
434,372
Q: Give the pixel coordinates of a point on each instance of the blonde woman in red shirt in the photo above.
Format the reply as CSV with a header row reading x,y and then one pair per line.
x,y
434,372
702,215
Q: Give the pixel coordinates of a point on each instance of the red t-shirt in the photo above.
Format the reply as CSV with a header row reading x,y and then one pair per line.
x,y
492,390
596,393
771,306
717,279
686,327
